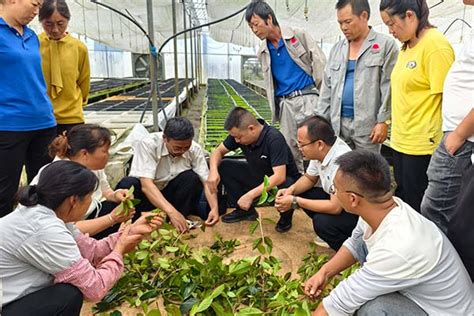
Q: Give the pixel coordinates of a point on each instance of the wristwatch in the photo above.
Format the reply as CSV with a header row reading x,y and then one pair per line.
x,y
294,203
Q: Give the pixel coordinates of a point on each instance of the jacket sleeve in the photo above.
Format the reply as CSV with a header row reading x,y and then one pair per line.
x,y
84,75
96,250
391,56
323,107
317,57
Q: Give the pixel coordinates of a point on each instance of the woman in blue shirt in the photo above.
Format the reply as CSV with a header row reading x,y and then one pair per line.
x,y
27,123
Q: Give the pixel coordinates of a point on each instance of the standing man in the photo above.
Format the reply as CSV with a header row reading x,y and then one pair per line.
x,y
355,93
169,172
317,142
266,154
292,66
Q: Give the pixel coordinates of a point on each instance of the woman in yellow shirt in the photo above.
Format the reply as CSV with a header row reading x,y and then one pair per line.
x,y
417,88
65,65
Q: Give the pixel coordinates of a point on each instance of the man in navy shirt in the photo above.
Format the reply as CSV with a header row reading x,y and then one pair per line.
x,y
266,153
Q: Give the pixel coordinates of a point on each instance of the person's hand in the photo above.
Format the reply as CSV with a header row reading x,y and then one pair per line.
x,y
453,142
212,218
212,181
379,133
120,195
178,221
147,223
119,216
283,202
127,241
282,192
315,285
245,202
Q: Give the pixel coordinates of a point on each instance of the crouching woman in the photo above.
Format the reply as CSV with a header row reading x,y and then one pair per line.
x,y
47,266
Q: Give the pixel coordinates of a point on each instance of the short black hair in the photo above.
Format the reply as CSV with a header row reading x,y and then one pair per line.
x,y
262,9
358,6
239,118
57,182
319,129
179,128
369,171
49,6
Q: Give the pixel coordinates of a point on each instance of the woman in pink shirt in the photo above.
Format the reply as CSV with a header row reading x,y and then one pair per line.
x,y
47,265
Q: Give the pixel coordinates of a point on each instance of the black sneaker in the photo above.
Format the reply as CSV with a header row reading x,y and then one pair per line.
x,y
283,225
238,215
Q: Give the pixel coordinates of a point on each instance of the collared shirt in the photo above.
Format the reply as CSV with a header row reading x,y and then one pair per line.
x,y
24,104
152,160
97,195
287,74
326,170
30,255
269,151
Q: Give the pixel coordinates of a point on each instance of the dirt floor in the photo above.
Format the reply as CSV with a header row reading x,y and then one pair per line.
x,y
289,247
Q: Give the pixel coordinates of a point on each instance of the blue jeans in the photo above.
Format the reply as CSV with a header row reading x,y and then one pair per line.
x,y
445,172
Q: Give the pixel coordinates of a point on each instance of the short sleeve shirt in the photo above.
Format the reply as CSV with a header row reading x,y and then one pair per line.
x,y
152,160
326,170
269,151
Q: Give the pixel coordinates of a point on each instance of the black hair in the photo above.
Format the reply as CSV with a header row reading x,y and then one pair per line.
x,y
319,129
239,118
369,171
262,9
49,6
358,6
179,128
57,182
400,7
83,136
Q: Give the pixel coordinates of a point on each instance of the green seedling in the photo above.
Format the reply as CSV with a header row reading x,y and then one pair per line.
x,y
128,203
267,196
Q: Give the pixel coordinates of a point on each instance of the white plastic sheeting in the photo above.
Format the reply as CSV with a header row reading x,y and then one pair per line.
x,y
320,20
109,28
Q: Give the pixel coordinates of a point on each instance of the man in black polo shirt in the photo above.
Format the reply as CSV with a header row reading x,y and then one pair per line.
x,y
266,153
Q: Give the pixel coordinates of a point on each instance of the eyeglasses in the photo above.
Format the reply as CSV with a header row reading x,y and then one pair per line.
x,y
304,145
333,190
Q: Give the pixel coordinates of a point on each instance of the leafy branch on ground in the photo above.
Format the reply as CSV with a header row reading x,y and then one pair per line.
x,y
198,282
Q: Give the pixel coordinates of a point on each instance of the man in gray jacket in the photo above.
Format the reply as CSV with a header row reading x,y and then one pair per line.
x,y
292,66
355,93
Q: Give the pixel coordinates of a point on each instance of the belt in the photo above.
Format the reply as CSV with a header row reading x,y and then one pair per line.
x,y
311,89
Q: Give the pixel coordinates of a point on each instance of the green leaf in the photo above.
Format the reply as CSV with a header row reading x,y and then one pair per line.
x,y
116,313
249,311
154,312
186,306
257,242
263,198
149,294
253,227
140,255
171,249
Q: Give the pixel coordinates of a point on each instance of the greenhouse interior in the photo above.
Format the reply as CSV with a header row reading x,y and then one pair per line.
x,y
239,157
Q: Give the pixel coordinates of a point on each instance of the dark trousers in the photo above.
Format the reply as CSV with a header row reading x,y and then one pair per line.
x,y
460,230
183,192
18,149
60,128
333,229
410,176
108,207
59,299
238,179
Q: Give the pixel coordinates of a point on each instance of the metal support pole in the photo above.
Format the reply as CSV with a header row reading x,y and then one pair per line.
x,y
186,82
154,66
199,56
175,49
192,41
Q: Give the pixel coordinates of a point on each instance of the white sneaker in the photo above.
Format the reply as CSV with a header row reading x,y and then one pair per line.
x,y
321,243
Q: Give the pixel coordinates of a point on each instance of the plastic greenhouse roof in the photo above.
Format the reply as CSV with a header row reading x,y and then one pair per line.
x,y
318,17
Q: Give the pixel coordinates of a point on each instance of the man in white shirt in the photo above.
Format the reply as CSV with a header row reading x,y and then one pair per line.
x,y
318,142
169,172
409,267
